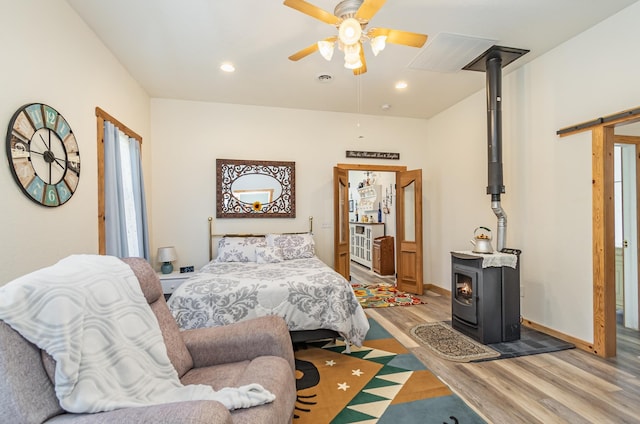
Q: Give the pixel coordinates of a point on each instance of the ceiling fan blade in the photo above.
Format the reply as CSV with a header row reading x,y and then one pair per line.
x,y
304,52
361,70
313,11
308,50
369,8
395,36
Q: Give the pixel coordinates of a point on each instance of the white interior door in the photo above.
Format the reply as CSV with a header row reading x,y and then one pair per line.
x,y
630,234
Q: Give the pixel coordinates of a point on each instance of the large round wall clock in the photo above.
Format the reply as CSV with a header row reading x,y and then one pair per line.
x,y
43,154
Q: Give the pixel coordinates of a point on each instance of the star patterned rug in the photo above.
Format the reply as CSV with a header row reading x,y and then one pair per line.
x,y
381,382
382,296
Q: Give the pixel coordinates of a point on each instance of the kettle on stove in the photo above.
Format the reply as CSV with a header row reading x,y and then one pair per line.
x,y
482,240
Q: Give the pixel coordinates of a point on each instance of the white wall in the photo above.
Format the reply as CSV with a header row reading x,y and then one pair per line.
x,y
547,178
190,136
50,56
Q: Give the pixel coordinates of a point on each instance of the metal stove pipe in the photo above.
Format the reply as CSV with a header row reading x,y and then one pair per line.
x,y
492,61
495,185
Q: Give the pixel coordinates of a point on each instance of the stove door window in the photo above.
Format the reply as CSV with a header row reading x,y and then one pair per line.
x,y
464,288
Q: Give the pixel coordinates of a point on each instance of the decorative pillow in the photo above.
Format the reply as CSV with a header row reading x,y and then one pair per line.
x,y
269,255
239,249
294,246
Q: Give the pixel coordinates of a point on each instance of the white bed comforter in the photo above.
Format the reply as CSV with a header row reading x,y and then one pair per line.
x,y
305,292
88,312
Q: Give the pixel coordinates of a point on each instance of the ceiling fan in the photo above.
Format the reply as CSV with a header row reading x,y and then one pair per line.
x,y
351,17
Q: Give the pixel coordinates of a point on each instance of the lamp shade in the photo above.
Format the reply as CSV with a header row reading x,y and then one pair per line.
x,y
378,44
349,31
167,254
326,49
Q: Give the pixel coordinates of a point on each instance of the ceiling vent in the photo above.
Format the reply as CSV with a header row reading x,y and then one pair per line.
x,y
450,52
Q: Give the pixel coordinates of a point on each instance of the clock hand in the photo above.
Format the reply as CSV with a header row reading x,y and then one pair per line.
x,y
44,142
59,162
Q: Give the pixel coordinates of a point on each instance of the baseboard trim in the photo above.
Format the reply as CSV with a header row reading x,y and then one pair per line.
x,y
580,344
437,289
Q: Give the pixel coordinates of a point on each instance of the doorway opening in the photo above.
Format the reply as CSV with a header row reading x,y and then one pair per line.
x,y
626,234
372,224
408,227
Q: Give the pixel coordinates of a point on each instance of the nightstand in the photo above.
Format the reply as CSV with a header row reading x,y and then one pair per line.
x,y
171,281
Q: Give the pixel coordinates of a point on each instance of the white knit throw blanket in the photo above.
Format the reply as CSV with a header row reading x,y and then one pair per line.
x,y
88,312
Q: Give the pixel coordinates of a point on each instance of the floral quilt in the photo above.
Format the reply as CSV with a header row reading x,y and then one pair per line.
x,y
307,293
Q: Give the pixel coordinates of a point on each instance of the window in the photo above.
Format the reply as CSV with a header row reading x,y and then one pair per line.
x,y
122,220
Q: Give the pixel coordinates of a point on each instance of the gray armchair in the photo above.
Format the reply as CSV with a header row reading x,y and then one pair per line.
x,y
255,351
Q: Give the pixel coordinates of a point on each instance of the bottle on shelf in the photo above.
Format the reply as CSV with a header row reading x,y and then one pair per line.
x,y
379,213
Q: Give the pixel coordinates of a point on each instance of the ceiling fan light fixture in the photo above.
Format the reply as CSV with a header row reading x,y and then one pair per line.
x,y
355,65
350,31
352,56
378,44
326,49
352,62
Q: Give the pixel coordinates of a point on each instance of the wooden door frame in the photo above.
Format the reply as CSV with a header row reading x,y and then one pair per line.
x,y
361,167
603,221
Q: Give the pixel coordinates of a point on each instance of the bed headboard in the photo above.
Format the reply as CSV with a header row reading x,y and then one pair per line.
x,y
213,236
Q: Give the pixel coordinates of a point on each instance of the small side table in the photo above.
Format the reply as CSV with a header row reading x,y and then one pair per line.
x,y
170,282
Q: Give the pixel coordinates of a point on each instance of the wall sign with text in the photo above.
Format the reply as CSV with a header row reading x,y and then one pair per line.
x,y
372,155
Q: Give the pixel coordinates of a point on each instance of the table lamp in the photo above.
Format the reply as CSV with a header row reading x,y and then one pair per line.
x,y
166,255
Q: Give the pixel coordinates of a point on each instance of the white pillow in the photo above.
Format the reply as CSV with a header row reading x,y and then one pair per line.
x,y
269,255
294,246
239,249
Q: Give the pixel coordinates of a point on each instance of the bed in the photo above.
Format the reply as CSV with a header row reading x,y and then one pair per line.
x,y
272,274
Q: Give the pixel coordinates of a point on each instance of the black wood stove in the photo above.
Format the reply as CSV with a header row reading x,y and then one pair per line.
x,y
485,302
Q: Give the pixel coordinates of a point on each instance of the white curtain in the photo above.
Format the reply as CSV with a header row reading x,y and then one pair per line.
x,y
126,232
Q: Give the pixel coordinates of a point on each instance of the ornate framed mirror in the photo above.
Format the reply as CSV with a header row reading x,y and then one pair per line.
x,y
255,189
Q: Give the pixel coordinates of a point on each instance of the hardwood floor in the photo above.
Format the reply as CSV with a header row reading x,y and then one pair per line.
x,y
570,386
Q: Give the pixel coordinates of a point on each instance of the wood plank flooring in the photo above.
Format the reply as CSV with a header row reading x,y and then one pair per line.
x,y
570,386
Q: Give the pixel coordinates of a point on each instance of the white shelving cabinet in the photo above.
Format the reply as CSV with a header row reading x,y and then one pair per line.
x,y
361,236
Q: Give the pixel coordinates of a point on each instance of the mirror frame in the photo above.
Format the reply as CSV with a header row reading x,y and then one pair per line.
x,y
229,170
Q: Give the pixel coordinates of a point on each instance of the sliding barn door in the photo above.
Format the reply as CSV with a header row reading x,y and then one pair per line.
x,y
409,231
341,258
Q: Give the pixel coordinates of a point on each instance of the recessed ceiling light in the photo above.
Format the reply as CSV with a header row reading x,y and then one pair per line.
x,y
401,85
227,67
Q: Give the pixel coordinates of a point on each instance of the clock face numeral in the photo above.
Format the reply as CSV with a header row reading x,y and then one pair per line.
x,y
36,189
43,154
50,117
35,113
23,126
24,171
51,196
63,191
71,178
63,129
